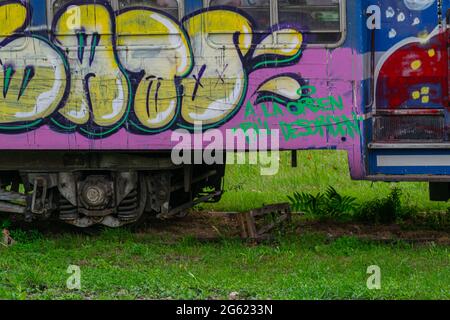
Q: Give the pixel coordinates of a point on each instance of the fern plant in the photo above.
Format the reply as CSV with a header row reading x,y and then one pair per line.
x,y
306,202
337,204
330,204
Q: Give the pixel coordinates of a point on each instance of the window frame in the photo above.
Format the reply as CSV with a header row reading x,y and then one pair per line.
x,y
114,4
146,46
274,18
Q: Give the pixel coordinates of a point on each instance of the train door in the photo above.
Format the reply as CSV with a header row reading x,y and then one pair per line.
x,y
410,126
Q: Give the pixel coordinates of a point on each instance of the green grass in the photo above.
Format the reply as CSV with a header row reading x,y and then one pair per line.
x,y
246,188
122,265
118,264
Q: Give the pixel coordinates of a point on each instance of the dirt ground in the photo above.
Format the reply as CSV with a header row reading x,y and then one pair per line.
x,y
212,226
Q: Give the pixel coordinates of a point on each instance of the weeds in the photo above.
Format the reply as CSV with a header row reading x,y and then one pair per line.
x,y
5,224
305,266
330,204
383,210
437,220
26,236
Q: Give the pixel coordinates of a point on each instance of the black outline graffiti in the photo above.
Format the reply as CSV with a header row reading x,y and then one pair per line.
x,y
129,120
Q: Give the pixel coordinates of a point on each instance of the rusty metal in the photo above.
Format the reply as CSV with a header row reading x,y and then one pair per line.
x,y
178,211
104,193
60,161
38,202
67,211
253,224
96,192
128,208
294,159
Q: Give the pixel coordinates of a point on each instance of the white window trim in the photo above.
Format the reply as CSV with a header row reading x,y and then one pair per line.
x,y
274,21
114,5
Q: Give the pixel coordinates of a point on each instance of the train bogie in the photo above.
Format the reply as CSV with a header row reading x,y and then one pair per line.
x,y
112,189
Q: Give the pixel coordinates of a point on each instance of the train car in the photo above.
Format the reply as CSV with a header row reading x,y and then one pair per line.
x,y
93,93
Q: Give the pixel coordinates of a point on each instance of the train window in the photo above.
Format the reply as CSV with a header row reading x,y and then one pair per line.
x,y
258,10
58,4
148,36
74,20
320,19
170,7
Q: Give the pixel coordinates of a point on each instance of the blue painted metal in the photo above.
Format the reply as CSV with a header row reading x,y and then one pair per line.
x,y
39,16
408,170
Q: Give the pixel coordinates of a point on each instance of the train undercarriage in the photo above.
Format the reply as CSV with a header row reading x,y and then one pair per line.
x,y
76,187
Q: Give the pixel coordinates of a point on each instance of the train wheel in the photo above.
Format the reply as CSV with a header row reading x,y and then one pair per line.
x,y
129,211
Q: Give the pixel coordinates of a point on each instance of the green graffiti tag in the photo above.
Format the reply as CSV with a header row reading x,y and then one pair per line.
x,y
334,126
260,116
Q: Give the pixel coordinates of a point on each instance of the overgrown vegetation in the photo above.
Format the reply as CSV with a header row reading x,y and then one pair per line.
x,y
246,189
118,264
329,204
5,223
381,210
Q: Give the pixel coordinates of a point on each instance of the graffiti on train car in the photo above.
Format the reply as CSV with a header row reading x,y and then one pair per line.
x,y
422,80
418,5
413,72
325,121
135,69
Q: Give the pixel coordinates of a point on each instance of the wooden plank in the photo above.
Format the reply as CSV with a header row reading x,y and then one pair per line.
x,y
271,209
251,231
11,208
273,225
12,196
242,224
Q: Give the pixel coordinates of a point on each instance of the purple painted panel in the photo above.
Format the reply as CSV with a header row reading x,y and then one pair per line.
x,y
83,91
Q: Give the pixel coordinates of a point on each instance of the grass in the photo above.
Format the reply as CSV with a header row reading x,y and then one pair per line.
x,y
118,264
247,189
122,265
